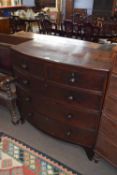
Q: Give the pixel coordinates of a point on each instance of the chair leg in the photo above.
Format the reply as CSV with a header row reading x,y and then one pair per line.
x,y
11,103
14,112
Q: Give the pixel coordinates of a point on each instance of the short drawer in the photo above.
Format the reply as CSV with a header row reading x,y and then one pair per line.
x,y
67,114
108,128
106,149
27,64
25,109
78,77
24,97
70,96
23,79
60,130
113,86
110,107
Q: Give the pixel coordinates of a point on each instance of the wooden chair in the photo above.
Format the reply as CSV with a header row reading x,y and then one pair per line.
x,y
16,24
48,27
86,31
8,96
67,28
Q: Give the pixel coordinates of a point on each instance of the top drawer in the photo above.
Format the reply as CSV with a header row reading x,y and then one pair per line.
x,y
78,77
28,64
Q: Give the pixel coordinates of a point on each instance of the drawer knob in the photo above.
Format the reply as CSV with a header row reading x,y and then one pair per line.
x,y
68,133
69,116
25,82
70,98
72,80
27,99
30,114
24,66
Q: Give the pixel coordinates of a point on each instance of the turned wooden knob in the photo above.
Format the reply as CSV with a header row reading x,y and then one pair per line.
x,y
68,133
69,116
71,98
25,82
72,80
27,99
30,114
24,66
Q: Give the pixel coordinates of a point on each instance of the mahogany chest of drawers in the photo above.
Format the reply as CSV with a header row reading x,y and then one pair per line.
x,y
61,84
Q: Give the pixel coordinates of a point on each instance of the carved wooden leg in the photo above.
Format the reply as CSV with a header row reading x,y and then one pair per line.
x,y
13,110
12,104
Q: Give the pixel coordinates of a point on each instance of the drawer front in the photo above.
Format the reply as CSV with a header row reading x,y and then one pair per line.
x,y
109,128
23,80
110,107
113,85
78,77
60,130
106,149
24,102
28,64
76,98
24,97
67,114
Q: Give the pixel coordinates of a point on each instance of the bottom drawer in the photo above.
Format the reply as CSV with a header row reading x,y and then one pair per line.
x,y
65,132
106,149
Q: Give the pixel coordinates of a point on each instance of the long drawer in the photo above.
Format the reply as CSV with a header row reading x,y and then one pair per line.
x,y
65,132
70,96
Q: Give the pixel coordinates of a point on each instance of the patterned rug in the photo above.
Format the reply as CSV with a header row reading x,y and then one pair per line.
x,y
17,158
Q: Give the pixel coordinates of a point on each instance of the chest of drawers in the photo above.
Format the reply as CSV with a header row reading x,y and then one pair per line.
x,y
61,86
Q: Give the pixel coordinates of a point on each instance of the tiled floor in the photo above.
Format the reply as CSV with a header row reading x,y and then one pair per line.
x,y
72,155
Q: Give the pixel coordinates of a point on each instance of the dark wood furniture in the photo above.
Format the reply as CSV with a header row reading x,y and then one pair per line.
x,y
7,81
8,96
61,84
4,25
69,5
106,146
6,41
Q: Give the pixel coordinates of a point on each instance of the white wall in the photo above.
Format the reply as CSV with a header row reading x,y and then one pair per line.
x,y
29,2
88,4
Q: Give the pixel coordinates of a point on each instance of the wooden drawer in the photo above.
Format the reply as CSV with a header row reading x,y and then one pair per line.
x,y
24,97
78,98
110,107
74,117
106,149
113,85
65,132
108,128
24,102
23,79
28,64
78,77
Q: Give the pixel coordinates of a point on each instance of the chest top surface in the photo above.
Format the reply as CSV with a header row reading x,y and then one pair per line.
x,y
68,51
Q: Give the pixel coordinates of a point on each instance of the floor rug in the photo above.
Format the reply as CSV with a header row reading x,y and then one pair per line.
x,y
17,158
